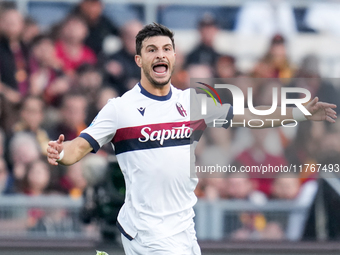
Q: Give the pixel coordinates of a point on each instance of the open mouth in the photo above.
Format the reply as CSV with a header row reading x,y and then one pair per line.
x,y
160,68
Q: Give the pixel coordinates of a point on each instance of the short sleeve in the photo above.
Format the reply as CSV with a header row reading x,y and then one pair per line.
x,y
103,127
216,115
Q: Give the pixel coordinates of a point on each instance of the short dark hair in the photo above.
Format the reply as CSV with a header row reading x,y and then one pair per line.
x,y
39,38
33,97
86,67
151,30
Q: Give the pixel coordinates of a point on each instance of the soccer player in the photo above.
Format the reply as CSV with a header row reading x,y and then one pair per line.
x,y
150,127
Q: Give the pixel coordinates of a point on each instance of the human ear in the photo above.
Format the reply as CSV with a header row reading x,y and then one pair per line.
x,y
138,60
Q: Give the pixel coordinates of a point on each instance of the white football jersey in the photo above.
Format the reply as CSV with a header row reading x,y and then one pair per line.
x,y
152,138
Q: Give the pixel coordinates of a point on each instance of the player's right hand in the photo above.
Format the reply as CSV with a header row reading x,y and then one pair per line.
x,y
53,150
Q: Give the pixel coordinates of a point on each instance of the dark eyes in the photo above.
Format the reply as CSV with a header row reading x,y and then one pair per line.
x,y
153,50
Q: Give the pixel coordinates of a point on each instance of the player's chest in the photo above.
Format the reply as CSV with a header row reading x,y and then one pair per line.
x,y
148,112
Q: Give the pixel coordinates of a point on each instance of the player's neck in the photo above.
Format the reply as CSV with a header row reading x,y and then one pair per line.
x,y
155,90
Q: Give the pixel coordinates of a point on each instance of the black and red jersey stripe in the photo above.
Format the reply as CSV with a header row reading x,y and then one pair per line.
x,y
127,139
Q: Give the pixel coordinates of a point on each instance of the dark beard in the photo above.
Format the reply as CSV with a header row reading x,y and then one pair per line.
x,y
156,83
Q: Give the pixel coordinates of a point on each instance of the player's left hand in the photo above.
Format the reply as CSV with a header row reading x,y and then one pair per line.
x,y
321,111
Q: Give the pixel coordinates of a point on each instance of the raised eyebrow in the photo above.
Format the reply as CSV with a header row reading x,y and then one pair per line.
x,y
151,45
154,46
167,45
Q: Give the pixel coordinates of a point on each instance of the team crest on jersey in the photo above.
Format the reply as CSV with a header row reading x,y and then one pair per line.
x,y
141,110
181,110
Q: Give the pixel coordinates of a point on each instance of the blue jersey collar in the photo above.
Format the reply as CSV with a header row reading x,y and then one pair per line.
x,y
159,98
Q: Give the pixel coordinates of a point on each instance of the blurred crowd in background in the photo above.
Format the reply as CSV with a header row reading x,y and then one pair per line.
x,y
55,81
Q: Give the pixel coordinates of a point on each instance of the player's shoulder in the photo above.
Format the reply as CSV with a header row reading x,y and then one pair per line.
x,y
187,96
127,96
181,93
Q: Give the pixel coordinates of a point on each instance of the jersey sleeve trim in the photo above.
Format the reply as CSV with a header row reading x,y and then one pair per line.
x,y
123,231
229,117
94,144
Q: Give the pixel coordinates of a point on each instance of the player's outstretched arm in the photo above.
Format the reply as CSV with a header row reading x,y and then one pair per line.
x,y
320,111
70,151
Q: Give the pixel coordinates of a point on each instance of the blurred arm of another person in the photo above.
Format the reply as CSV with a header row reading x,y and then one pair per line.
x,y
10,94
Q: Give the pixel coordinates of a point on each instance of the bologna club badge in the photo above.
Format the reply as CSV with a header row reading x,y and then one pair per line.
x,y
181,110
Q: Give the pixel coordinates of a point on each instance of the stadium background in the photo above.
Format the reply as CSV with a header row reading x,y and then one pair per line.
x,y
43,210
